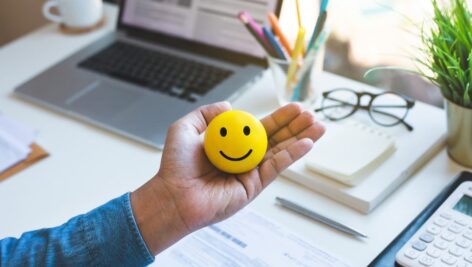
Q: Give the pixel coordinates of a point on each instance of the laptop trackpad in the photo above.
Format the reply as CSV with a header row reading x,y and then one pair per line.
x,y
102,100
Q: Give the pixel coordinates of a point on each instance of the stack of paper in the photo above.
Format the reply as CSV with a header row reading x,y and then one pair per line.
x,y
350,151
15,142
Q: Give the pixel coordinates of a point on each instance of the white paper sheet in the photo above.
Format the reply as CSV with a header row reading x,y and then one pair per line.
x,y
15,141
246,240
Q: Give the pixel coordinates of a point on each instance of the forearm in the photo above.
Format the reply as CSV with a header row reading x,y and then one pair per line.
x,y
157,216
106,236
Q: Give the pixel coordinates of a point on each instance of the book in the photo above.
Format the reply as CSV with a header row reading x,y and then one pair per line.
x,y
413,149
364,146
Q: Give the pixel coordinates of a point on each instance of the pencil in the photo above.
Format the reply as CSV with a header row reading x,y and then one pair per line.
x,y
274,22
324,5
318,28
256,32
275,44
301,90
299,16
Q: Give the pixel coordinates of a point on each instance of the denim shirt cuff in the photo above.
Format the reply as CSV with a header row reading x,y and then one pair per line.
x,y
133,227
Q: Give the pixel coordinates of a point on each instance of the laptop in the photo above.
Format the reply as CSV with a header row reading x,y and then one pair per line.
x,y
166,58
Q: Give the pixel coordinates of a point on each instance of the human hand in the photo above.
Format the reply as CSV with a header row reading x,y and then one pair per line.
x,y
196,193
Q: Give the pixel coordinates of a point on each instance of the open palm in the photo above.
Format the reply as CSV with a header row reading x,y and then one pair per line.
x,y
204,194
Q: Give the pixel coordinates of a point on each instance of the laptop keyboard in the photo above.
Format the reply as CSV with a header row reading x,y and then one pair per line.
x,y
156,71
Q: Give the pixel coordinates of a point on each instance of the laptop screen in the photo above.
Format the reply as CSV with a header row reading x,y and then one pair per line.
x,y
210,22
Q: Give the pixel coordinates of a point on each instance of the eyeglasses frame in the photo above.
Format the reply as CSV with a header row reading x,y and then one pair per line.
x,y
410,103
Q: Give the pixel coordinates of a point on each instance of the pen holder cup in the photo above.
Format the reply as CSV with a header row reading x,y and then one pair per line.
x,y
300,88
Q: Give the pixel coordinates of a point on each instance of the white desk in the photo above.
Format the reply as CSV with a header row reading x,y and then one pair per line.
x,y
89,166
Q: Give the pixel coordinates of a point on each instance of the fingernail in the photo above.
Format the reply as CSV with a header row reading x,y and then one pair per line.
x,y
320,125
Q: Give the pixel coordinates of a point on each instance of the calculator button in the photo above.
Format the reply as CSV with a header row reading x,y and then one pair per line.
x,y
468,258
455,228
433,229
468,235
428,238
448,236
441,222
433,252
441,244
418,245
426,261
456,251
461,222
464,264
446,215
449,259
411,253
463,243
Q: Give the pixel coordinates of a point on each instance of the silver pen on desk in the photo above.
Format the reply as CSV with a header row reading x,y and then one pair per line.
x,y
318,217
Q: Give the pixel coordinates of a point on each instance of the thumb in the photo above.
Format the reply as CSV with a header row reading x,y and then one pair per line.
x,y
202,116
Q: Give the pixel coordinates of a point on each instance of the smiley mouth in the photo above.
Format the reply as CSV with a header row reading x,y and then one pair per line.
x,y
236,159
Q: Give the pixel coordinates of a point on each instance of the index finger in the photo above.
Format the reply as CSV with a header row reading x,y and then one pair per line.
x,y
202,116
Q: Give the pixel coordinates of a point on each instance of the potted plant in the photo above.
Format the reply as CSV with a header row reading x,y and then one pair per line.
x,y
447,62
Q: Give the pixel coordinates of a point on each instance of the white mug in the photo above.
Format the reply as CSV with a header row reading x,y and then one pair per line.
x,y
75,13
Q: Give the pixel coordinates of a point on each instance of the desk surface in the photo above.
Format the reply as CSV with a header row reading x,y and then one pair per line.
x,y
89,166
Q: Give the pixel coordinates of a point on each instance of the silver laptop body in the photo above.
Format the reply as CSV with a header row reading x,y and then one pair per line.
x,y
136,111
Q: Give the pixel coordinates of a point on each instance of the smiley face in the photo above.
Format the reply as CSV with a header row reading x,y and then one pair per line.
x,y
235,141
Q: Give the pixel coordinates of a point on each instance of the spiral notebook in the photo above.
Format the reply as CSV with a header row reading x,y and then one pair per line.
x,y
365,147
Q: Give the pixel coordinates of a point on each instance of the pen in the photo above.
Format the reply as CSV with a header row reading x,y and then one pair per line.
x,y
275,44
318,217
274,22
256,32
297,51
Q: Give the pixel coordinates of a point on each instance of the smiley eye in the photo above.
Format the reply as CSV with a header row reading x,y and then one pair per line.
x,y
247,130
223,131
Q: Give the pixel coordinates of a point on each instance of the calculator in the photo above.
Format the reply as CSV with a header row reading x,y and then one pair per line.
x,y
445,239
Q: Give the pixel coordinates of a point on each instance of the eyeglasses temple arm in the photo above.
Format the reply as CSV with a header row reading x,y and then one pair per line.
x,y
407,125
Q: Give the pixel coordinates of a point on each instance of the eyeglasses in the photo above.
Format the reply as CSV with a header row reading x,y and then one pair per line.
x,y
386,109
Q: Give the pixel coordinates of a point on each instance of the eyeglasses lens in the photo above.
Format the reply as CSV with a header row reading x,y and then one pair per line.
x,y
388,109
339,104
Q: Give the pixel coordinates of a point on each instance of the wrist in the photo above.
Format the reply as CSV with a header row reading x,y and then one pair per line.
x,y
156,215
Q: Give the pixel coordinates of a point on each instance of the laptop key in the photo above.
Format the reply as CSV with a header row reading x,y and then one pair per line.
x,y
155,70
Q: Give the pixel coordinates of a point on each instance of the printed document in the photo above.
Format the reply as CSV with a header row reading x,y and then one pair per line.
x,y
247,240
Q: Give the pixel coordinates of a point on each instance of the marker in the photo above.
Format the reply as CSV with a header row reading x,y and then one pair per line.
x,y
275,43
274,22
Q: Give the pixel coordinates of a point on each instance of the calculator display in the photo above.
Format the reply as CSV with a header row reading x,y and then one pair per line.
x,y
464,205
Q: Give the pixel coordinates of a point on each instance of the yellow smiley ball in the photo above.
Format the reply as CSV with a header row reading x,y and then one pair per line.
x,y
235,141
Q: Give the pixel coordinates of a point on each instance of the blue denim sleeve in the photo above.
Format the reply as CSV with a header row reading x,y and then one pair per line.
x,y
106,236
